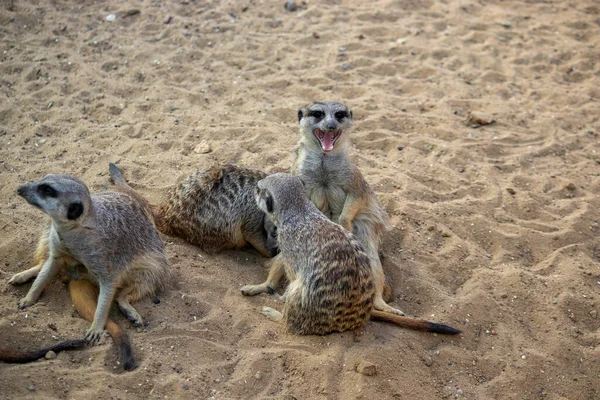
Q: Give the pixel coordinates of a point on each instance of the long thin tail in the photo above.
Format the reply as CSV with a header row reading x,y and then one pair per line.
x,y
85,299
412,323
119,180
21,357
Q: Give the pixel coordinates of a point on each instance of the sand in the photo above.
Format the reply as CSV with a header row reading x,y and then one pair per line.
x,y
495,228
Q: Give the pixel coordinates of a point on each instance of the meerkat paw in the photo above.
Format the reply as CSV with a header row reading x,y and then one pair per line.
x,y
272,314
25,302
253,290
131,313
383,306
22,277
93,334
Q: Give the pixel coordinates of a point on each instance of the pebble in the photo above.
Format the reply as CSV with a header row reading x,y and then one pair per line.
x,y
156,300
400,148
167,19
111,17
366,368
31,388
50,355
291,6
511,191
203,148
594,314
571,186
316,35
428,361
479,118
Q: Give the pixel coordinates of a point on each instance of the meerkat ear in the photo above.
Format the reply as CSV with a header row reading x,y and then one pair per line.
x,y
269,203
300,114
75,210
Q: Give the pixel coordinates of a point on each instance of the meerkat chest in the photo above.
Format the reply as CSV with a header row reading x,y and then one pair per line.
x,y
326,180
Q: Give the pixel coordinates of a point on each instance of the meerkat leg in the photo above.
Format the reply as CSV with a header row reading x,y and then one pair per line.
x,y
272,314
259,243
25,276
45,275
105,298
351,207
41,254
276,272
127,309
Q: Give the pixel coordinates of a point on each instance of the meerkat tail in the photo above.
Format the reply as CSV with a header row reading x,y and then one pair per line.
x,y
21,357
116,176
412,323
85,299
119,180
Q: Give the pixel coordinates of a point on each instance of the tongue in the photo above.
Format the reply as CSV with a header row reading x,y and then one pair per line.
x,y
327,141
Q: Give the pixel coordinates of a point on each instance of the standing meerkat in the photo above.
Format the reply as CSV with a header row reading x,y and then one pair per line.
x,y
106,238
214,209
335,185
331,281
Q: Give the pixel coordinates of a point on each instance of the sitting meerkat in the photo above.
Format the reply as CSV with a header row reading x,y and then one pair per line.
x,y
337,188
111,234
214,209
331,285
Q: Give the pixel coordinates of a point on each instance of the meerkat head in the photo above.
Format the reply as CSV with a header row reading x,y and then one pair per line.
x,y
323,123
63,197
278,193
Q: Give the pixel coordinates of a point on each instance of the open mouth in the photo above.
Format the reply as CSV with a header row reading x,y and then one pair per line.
x,y
327,138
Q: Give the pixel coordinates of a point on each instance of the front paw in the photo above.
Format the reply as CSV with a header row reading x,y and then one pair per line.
x,y
93,334
25,302
20,278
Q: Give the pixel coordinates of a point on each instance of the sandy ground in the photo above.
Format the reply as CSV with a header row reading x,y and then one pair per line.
x,y
495,228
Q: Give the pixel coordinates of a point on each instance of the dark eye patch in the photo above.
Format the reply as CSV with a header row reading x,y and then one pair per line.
x,y
269,203
318,114
340,115
47,191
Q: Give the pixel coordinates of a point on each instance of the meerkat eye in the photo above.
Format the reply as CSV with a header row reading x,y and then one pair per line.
x,y
269,203
340,115
318,114
47,191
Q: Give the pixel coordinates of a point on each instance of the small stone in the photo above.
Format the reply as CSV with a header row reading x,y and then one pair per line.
x,y
291,6
428,361
156,300
111,17
31,388
571,186
258,375
50,355
186,386
445,234
361,36
52,326
504,295
400,148
167,19
366,368
511,191
494,332
479,118
594,314
316,35
203,148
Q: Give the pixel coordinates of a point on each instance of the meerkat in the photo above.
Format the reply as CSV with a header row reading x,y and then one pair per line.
x,y
331,287
214,209
107,239
337,188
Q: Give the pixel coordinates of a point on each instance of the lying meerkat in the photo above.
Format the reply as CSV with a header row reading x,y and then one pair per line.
x,y
331,281
337,188
214,209
111,234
